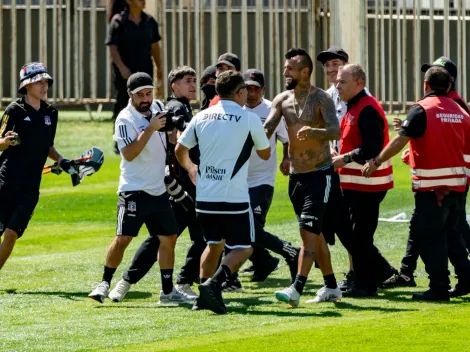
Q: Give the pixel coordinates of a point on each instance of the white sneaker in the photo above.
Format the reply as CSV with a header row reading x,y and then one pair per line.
x,y
186,288
288,295
174,296
120,291
327,295
100,292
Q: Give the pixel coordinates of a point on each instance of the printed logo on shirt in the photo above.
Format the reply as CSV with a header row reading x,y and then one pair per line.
x,y
27,118
257,210
310,223
132,206
225,117
302,216
47,120
214,173
452,118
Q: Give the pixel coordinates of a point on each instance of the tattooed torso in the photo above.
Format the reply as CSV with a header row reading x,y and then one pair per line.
x,y
312,153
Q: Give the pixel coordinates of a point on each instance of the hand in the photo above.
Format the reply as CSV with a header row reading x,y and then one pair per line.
x,y
158,122
305,133
396,122
285,166
193,174
11,138
125,72
405,156
369,168
334,152
338,162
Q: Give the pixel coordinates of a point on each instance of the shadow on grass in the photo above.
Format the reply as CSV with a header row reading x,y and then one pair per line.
x,y
350,305
277,283
75,296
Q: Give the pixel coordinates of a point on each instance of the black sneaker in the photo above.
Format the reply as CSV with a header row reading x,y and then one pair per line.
x,y
399,280
261,274
348,282
232,285
359,293
210,297
431,295
248,270
294,265
459,290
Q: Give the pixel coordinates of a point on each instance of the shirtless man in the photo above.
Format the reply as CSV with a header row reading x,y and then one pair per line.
x,y
311,123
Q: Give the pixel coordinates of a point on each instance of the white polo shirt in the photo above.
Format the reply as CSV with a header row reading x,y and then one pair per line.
x,y
263,172
226,134
147,171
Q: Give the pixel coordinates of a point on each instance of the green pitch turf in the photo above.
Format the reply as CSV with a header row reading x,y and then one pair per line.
x,y
44,285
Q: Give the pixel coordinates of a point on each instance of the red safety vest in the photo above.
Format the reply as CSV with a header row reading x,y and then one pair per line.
x,y
215,100
437,159
350,175
455,96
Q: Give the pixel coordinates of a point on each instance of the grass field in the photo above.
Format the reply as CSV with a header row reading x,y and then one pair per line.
x,y
44,285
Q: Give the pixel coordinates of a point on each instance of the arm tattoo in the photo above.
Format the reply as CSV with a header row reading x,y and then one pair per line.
x,y
274,117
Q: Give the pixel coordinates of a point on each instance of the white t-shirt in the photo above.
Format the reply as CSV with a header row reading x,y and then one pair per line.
x,y
147,171
226,134
263,172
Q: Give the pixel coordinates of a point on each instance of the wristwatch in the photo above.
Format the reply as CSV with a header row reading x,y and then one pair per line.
x,y
347,158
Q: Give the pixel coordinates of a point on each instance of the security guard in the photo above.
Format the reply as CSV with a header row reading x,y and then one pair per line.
x,y
27,131
438,130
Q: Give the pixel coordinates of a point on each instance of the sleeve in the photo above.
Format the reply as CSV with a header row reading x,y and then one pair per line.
x,y
124,133
281,132
7,122
55,120
189,137
258,135
371,127
415,124
155,32
113,32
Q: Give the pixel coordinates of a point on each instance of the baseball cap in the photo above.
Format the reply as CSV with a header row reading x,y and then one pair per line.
x,y
443,62
138,81
253,77
230,60
31,73
335,52
209,72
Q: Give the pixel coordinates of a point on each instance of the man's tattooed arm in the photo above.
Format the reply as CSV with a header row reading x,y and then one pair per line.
x,y
275,115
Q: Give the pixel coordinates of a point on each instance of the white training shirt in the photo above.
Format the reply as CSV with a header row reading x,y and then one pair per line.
x,y
263,172
226,134
147,171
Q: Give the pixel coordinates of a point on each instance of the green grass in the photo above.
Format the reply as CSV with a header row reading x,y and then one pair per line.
x,y
43,287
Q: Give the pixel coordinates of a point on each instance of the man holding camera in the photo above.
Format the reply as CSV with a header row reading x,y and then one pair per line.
x,y
27,131
142,194
182,81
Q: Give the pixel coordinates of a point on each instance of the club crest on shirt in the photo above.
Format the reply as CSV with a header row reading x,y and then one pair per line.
x,y
131,206
47,120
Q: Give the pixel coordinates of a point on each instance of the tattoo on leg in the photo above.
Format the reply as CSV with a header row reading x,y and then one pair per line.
x,y
309,253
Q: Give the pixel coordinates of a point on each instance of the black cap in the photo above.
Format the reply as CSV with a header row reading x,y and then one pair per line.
x,y
335,52
230,60
253,77
445,63
209,72
138,81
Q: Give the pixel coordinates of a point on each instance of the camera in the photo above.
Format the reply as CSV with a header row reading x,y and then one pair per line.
x,y
173,122
178,194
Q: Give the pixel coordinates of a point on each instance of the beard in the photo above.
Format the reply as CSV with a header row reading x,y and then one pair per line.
x,y
291,83
142,107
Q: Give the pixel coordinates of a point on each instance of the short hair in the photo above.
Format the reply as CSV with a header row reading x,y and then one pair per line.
x,y
305,59
228,83
179,73
356,71
438,79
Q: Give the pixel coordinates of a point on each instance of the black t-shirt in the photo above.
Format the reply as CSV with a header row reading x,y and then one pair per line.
x,y
22,165
134,41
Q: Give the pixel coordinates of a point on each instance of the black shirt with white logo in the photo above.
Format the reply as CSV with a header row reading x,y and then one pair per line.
x,y
22,165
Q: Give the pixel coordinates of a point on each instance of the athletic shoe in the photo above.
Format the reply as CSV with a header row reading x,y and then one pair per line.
x,y
174,296
186,288
399,280
100,292
120,291
232,285
431,295
348,282
327,295
262,274
459,290
293,264
288,295
356,292
210,297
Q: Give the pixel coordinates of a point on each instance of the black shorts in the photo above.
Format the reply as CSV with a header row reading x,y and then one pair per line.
x,y
16,209
238,230
309,194
137,208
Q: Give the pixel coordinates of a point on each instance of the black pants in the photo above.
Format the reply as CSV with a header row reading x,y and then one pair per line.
x,y
410,260
435,230
369,264
146,254
122,97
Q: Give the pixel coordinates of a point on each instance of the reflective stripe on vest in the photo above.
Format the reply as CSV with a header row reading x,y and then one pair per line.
x,y
446,171
448,182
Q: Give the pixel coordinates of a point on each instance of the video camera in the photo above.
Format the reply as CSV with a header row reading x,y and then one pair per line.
x,y
173,122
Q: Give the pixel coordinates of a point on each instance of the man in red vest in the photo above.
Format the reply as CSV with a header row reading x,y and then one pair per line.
x,y
438,130
409,262
364,133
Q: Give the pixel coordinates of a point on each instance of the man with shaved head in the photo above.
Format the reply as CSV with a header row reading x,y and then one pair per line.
x,y
311,123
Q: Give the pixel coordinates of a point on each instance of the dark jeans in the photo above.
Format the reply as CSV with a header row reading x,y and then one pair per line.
x,y
410,260
122,97
435,230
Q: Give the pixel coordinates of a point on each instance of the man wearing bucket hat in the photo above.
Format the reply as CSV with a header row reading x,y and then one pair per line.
x,y
27,132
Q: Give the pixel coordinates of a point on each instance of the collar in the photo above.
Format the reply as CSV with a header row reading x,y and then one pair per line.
x,y
125,16
136,113
226,102
26,106
182,100
356,98
435,94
